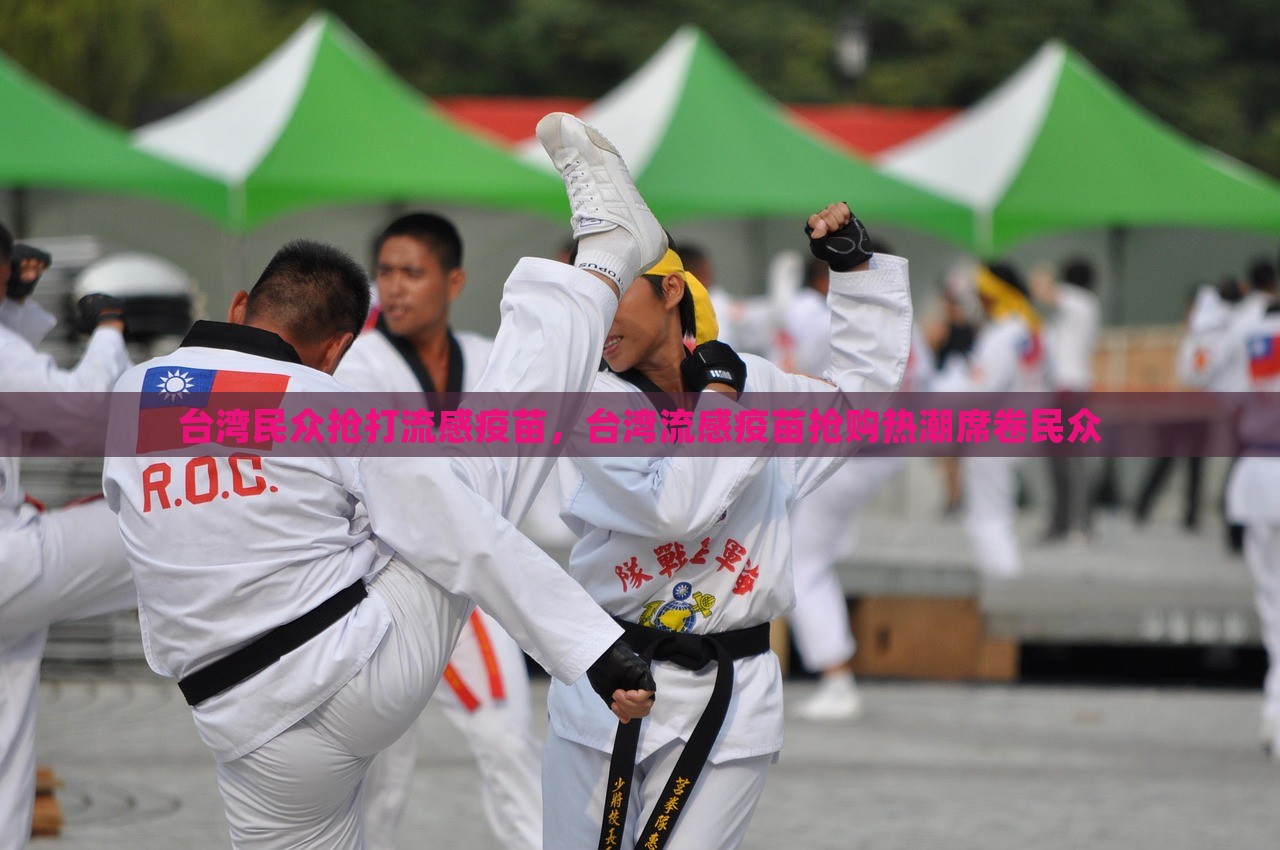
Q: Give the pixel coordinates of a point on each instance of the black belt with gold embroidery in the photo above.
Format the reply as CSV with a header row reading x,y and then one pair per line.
x,y
692,652
257,656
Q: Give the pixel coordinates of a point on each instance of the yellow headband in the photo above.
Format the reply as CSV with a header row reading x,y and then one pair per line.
x,y
1005,297
704,315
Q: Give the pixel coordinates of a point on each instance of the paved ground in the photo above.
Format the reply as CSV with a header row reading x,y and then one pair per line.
x,y
929,766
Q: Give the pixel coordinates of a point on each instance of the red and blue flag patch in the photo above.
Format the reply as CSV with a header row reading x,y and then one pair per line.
x,y
170,393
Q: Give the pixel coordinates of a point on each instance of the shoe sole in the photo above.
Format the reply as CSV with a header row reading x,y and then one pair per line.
x,y
551,132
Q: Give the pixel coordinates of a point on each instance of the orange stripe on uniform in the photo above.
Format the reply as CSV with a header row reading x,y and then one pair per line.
x,y
468,699
490,657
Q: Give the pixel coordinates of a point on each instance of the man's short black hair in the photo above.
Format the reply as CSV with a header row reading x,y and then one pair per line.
x,y
1262,276
692,254
1079,272
6,243
436,232
313,291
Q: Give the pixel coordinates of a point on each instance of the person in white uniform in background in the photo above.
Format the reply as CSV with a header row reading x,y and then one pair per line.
x,y
1214,359
412,349
305,639
1071,338
54,565
1253,493
1211,357
693,554
746,323
825,528
1008,357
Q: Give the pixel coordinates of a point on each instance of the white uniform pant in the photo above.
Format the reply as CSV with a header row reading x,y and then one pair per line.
x,y
499,733
1262,552
83,574
302,789
991,499
716,814
824,528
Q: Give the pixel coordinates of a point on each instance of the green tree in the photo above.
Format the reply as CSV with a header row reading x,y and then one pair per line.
x,y
119,57
1211,68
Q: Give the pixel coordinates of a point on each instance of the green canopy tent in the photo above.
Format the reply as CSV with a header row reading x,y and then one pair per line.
x,y
49,142
1058,148
322,121
703,143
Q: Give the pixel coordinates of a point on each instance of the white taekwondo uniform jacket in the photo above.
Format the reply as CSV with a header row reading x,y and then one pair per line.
x,y
23,369
1253,491
1212,355
284,536
703,544
373,364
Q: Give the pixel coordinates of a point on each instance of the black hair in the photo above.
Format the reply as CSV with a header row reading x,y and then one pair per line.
x,y
6,243
1006,272
692,254
1230,290
436,232
1262,276
815,268
688,317
313,291
1079,272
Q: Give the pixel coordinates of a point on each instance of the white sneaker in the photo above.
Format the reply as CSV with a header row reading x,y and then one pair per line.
x,y
618,235
836,699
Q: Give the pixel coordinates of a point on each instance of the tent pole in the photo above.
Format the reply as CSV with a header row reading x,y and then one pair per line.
x,y
233,263
18,212
757,232
242,261
1117,243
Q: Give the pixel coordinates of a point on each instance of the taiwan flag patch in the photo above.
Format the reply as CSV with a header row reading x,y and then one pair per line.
x,y
1264,357
1030,351
179,404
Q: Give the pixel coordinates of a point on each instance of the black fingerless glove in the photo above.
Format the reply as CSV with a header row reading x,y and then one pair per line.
x,y
19,288
95,308
843,250
713,363
619,667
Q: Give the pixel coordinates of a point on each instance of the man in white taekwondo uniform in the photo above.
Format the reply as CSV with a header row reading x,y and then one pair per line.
x,y
694,554
1008,356
1211,356
412,350
1253,495
293,697
54,566
824,528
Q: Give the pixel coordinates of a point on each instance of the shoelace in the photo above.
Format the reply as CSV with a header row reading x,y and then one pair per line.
x,y
581,200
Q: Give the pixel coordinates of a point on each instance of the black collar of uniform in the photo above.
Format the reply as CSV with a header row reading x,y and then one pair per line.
x,y
242,338
658,397
453,381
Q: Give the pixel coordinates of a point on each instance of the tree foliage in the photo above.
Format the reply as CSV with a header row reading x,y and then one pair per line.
x,y
1209,67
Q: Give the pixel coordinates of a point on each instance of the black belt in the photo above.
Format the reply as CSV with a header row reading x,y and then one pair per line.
x,y
257,656
692,652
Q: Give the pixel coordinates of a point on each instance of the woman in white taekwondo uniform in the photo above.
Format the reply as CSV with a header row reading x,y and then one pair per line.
x,y
1008,356
1253,494
825,527
307,642
693,555
413,350
54,566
